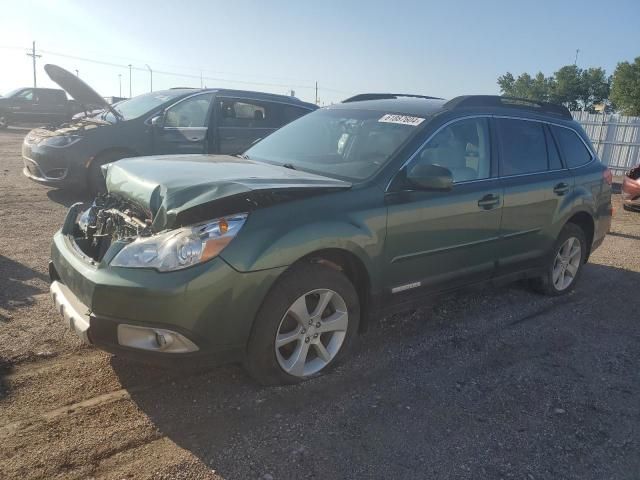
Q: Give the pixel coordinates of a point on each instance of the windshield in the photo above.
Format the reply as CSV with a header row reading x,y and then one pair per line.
x,y
13,92
349,144
137,106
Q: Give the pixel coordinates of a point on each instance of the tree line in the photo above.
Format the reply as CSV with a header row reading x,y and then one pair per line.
x,y
580,89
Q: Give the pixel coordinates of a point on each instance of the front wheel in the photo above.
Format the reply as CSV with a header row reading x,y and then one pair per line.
x,y
565,264
305,326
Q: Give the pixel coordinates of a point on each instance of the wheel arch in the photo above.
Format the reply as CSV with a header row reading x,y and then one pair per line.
x,y
107,151
353,268
585,221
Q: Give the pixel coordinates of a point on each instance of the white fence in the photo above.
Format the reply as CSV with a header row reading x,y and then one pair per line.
x,y
616,138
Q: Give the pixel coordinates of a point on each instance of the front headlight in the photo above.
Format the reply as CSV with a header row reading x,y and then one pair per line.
x,y
61,141
181,248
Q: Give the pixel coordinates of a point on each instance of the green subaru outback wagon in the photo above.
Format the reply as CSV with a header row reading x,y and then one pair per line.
x,y
281,256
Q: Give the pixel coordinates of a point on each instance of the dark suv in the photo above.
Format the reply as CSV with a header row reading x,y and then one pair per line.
x,y
36,105
280,256
177,121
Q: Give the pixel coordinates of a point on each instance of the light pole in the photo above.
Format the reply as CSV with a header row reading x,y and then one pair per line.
x,y
120,85
130,80
150,73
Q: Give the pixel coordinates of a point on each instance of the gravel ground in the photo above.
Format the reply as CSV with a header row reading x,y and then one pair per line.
x,y
487,383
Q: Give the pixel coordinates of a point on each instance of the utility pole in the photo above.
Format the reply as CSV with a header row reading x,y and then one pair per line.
x,y
200,79
151,73
575,62
120,85
130,80
316,93
34,56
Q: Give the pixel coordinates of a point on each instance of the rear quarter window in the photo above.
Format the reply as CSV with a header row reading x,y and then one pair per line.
x,y
573,149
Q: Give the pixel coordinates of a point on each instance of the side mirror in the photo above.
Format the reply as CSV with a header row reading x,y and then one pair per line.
x,y
157,121
426,176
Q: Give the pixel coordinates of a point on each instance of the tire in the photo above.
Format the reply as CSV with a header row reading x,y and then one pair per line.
x,y
319,339
95,179
553,283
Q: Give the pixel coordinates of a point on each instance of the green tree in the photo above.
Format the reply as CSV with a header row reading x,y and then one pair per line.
x,y
625,88
567,87
595,88
525,86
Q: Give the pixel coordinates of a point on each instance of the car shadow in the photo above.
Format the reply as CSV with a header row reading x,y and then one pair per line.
x,y
5,370
398,414
68,197
18,285
624,235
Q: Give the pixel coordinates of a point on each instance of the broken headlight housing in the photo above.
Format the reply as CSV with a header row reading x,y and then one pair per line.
x,y
181,248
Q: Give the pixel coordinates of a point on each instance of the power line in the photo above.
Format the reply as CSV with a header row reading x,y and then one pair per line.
x,y
192,76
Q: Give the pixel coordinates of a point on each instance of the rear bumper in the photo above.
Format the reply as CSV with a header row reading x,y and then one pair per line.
x,y
631,192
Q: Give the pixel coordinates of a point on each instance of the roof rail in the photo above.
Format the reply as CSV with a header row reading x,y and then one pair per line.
x,y
385,96
467,101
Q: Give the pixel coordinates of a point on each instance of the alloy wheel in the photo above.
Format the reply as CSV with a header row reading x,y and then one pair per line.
x,y
566,263
311,332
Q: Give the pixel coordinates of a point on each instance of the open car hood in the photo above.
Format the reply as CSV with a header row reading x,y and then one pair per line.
x,y
75,87
182,189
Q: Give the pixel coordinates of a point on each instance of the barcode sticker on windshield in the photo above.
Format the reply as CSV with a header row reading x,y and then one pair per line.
x,y
401,119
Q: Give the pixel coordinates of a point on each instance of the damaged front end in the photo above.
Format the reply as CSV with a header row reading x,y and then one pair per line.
x,y
119,233
108,220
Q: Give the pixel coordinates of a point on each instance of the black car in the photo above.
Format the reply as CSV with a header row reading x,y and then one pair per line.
x,y
176,121
41,105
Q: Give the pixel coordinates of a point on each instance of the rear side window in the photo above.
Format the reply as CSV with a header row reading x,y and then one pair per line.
x,y
574,151
523,146
51,97
247,113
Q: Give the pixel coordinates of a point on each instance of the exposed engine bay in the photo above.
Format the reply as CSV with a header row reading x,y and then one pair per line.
x,y
108,220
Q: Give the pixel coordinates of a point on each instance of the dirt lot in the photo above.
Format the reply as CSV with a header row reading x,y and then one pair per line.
x,y
488,383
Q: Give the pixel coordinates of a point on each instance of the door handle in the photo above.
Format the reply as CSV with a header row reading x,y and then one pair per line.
x,y
194,139
489,201
561,188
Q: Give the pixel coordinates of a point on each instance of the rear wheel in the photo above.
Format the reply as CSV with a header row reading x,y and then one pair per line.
x,y
305,326
96,180
565,264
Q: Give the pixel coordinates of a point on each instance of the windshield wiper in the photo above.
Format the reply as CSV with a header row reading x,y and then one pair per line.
x,y
289,166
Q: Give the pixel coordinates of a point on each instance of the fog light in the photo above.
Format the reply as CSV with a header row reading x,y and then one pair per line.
x,y
154,339
57,173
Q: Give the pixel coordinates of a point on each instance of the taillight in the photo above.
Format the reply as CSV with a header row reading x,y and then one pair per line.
x,y
608,176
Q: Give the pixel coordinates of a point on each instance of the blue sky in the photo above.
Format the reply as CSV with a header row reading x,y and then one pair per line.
x,y
443,48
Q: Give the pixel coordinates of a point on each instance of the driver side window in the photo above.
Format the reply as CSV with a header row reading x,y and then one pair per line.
x,y
190,113
26,95
463,148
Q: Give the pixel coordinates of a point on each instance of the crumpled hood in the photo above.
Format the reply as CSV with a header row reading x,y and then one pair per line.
x,y
169,185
